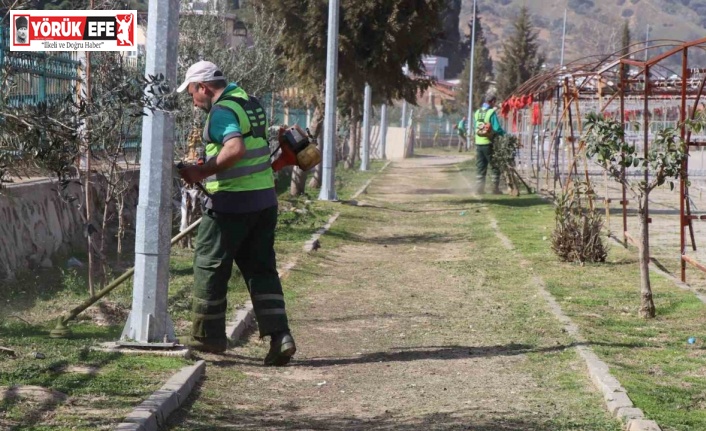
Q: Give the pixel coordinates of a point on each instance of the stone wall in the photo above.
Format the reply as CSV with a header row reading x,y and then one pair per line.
x,y
37,224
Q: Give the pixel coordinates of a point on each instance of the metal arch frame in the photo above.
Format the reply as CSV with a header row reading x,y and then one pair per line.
x,y
545,86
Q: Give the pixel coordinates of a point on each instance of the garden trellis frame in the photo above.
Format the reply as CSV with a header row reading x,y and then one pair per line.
x,y
601,84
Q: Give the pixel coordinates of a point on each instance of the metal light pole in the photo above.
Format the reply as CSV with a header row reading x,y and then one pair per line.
x,y
148,321
403,120
383,131
367,107
563,39
404,114
559,129
469,119
328,192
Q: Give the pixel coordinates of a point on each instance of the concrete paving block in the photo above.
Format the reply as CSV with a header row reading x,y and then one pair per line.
x,y
167,402
643,425
242,321
618,400
604,382
626,414
144,417
129,427
155,410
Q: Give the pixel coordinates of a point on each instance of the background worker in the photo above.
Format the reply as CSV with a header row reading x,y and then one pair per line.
x,y
487,127
239,218
461,130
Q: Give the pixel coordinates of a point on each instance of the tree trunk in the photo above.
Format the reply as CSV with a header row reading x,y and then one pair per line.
x,y
647,306
341,144
104,269
184,209
104,223
315,182
316,129
352,140
121,226
358,139
298,183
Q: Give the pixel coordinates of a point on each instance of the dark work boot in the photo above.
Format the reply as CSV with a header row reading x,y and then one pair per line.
x,y
282,348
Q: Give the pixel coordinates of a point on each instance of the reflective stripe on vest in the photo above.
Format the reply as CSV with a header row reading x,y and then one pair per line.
x,y
241,171
253,171
482,140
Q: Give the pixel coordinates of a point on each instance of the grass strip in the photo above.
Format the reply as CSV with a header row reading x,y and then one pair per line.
x,y
104,387
662,372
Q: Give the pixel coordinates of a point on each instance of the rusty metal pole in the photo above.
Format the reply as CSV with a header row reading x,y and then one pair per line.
x,y
624,202
685,166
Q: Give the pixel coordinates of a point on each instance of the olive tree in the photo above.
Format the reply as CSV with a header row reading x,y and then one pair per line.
x,y
49,137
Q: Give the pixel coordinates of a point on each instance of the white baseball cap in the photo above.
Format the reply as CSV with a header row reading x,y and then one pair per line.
x,y
203,71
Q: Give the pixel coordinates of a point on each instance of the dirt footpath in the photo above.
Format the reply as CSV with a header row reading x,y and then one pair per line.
x,y
412,316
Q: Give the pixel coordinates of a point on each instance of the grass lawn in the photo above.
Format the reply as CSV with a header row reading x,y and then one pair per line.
x,y
662,372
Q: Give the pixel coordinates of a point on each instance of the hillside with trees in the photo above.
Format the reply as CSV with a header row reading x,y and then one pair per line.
x,y
593,27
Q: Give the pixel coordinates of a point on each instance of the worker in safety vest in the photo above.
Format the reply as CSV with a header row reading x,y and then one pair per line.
x,y
239,218
487,128
461,131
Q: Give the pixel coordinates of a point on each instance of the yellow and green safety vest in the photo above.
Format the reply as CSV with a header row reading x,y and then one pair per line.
x,y
253,171
483,140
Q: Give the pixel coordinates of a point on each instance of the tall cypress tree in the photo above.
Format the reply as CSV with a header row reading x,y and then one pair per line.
x,y
521,58
625,42
482,71
450,45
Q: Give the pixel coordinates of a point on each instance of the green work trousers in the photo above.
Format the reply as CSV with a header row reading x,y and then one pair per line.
x,y
483,155
248,239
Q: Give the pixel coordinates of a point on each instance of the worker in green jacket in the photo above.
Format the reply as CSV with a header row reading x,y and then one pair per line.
x,y
239,217
487,127
461,131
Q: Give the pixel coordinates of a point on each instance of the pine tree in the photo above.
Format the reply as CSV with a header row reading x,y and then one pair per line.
x,y
482,71
450,45
521,59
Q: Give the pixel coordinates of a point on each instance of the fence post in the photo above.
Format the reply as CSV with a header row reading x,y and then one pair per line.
x,y
43,79
3,44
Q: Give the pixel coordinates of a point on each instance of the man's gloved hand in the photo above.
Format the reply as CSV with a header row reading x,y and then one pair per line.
x,y
190,173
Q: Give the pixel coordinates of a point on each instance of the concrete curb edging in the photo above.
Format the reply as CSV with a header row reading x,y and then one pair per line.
x,y
313,243
367,184
615,396
244,319
154,411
